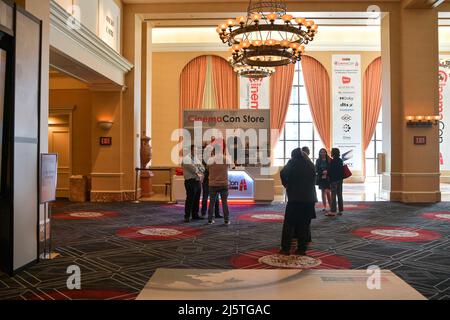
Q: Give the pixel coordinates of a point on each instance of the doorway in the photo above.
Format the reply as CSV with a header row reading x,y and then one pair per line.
x,y
60,143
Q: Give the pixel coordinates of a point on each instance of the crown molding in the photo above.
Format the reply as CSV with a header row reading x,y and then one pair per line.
x,y
86,38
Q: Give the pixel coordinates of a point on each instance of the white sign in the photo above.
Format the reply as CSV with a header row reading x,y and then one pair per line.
x,y
347,109
241,185
444,112
254,93
48,177
109,23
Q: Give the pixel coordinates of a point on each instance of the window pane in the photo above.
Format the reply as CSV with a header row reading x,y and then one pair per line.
x,y
278,162
294,97
290,146
291,131
292,114
379,131
379,146
279,150
306,131
370,153
303,96
370,168
297,78
305,114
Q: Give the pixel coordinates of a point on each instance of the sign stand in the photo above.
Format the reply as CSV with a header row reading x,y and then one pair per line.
x,y
48,182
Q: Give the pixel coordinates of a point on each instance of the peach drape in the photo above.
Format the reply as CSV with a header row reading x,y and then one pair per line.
x,y
317,84
280,95
372,100
192,85
225,84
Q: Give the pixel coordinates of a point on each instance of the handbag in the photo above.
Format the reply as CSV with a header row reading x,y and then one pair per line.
x,y
347,172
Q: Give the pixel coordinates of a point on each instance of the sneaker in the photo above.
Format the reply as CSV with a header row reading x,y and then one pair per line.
x,y
340,213
330,214
227,223
211,222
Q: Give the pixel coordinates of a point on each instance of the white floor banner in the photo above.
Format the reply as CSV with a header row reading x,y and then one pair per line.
x,y
347,109
254,93
444,112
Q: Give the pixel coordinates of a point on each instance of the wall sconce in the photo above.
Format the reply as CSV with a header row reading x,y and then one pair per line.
x,y
105,125
422,121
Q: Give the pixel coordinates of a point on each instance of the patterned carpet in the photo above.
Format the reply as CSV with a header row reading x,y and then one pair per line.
x,y
119,246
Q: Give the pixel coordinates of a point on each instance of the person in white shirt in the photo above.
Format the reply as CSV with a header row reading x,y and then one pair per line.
x,y
192,171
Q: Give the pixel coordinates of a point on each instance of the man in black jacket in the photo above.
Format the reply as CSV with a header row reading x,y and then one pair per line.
x,y
299,179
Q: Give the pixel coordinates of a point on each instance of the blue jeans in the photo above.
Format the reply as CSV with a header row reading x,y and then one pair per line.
x,y
336,192
214,194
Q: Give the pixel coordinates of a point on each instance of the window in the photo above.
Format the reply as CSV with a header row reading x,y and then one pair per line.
x,y
375,147
299,130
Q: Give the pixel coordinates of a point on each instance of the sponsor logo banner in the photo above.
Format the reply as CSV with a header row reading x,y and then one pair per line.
x,y
444,112
347,109
254,93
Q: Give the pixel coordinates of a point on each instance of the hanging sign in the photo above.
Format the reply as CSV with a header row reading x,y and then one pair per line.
x,y
347,109
444,112
254,93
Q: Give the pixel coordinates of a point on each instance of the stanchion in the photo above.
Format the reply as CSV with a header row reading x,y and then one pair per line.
x,y
136,187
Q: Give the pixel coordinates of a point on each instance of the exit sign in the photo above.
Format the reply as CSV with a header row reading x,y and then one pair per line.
x,y
420,140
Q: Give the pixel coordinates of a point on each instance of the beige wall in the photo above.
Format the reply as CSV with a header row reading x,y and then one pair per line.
x,y
167,67
81,128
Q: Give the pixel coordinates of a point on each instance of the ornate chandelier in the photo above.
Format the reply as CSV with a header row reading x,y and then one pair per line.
x,y
268,36
251,71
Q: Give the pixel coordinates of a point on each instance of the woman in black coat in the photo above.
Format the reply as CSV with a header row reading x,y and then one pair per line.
x,y
323,178
299,179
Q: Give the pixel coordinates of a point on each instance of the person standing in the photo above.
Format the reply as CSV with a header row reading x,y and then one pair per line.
x,y
336,174
205,189
218,184
298,177
192,171
323,179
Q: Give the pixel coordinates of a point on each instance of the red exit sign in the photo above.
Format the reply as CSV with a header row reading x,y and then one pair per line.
x,y
420,140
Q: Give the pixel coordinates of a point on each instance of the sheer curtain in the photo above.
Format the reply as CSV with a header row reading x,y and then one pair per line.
x,y
371,100
225,84
317,84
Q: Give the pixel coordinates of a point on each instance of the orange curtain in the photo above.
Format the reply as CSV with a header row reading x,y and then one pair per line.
x,y
192,85
225,84
372,100
317,84
280,95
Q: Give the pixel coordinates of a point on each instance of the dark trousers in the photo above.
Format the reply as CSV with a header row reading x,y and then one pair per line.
x,y
297,224
193,193
336,191
205,188
214,192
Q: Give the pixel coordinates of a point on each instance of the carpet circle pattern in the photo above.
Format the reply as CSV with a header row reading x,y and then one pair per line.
x,y
269,259
441,216
158,233
269,216
399,234
85,215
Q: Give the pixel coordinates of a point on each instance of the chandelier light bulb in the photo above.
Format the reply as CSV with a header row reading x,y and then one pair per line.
x,y
287,17
223,27
272,17
300,21
241,20
256,17
230,22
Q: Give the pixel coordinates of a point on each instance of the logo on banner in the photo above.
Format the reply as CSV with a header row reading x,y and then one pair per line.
x,y
346,80
346,118
347,128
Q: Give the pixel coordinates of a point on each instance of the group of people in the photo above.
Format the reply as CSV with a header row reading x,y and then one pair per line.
x,y
209,178
300,177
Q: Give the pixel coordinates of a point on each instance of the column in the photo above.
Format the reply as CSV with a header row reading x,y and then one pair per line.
x,y
410,87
